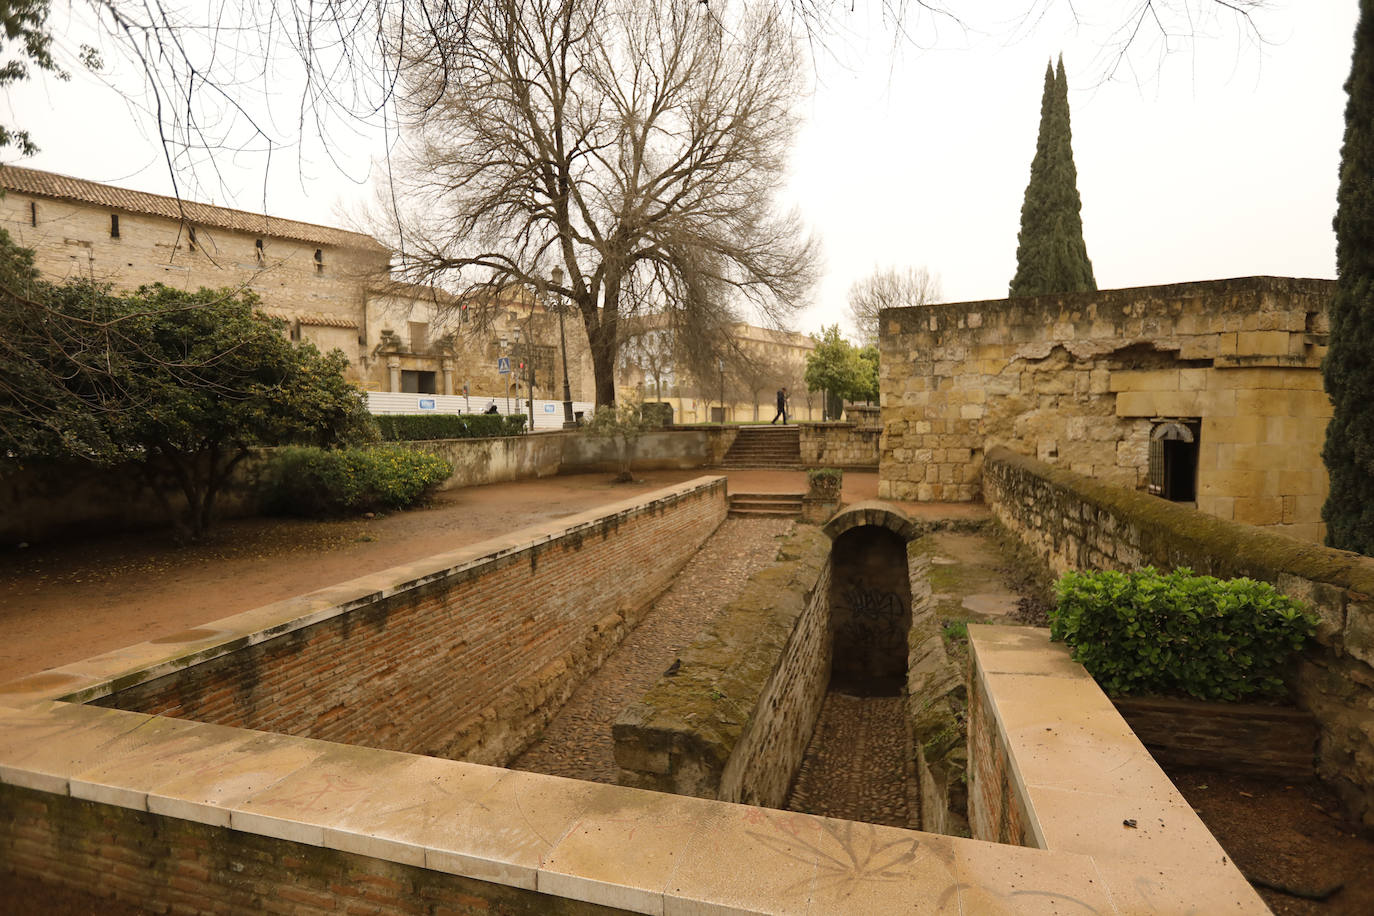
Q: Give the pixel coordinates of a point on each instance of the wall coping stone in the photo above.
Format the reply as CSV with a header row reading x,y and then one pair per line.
x,y
1081,775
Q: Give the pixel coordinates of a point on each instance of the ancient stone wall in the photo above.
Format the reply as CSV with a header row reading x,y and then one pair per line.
x,y
1080,380
838,445
468,660
734,720
1078,523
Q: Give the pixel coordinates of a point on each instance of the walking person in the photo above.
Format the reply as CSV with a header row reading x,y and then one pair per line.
x,y
782,407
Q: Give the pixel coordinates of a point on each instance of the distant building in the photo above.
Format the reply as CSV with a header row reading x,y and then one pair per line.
x,y
334,288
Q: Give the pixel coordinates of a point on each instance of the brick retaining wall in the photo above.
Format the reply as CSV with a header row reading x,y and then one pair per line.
x,y
1075,522
466,661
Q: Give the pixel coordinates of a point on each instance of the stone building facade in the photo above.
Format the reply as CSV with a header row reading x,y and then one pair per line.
x,y
334,289
1206,393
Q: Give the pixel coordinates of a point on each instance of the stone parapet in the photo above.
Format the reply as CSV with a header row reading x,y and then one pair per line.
x,y
1054,766
839,445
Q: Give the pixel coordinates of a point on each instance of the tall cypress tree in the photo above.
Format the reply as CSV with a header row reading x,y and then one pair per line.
x,y
1349,367
1050,254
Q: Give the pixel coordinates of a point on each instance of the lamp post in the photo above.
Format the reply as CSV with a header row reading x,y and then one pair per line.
x,y
720,364
504,350
568,421
516,352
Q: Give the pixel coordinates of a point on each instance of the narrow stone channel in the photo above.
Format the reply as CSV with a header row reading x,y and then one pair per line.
x,y
856,764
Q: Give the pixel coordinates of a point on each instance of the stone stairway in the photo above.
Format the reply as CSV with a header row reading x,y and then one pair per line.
x,y
765,505
765,447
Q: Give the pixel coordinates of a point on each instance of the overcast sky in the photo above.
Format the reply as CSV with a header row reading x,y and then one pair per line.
x,y
1216,159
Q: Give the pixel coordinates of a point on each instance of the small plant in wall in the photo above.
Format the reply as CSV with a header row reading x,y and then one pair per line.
x,y
623,424
1148,632
824,482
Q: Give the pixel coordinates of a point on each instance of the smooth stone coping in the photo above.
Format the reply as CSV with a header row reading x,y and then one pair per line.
x,y
1082,775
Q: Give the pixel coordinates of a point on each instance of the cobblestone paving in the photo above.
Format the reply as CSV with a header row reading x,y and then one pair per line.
x,y
577,742
856,764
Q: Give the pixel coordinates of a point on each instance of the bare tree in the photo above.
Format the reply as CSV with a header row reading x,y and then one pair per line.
x,y
636,146
892,287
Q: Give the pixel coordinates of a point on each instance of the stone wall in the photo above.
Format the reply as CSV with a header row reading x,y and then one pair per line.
x,y
839,445
734,721
1077,381
1078,523
468,658
998,810
937,707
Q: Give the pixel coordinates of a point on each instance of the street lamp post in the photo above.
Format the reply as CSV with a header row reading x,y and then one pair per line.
x,y
516,334
721,365
504,351
568,421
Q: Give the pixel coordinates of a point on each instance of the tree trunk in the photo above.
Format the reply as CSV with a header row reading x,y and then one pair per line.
x,y
602,333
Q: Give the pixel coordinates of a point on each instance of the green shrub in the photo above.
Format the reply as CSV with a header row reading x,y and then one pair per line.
x,y
1149,633
657,413
419,427
315,482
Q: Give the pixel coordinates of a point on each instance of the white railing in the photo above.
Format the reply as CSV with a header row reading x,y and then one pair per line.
x,y
547,414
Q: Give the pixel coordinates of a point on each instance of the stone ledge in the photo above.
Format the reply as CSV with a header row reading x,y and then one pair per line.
x,y
1087,784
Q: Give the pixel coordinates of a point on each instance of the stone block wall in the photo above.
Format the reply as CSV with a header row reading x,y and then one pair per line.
x,y
1078,523
468,660
838,445
1076,380
733,723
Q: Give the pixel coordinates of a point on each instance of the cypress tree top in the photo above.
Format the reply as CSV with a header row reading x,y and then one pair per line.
x,y
1050,254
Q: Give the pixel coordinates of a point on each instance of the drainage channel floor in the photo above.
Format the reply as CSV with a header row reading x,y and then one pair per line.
x,y
577,743
856,765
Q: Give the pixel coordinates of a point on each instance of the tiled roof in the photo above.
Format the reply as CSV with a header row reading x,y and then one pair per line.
x,y
311,320
62,187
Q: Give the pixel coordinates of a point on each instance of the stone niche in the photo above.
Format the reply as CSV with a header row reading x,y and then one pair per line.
x,y
870,611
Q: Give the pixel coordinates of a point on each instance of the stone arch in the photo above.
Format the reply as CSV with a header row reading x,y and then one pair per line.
x,y
870,598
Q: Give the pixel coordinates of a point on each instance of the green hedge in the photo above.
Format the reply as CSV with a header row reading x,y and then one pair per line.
x,y
417,427
315,482
1179,634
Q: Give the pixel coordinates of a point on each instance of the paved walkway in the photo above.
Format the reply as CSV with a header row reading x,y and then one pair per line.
x,y
856,766
578,742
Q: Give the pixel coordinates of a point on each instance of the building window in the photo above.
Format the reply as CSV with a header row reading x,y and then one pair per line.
x,y
416,382
419,336
319,260
33,213
191,237
114,225
257,247
1173,459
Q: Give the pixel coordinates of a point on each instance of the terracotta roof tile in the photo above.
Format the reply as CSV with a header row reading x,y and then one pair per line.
x,y
62,187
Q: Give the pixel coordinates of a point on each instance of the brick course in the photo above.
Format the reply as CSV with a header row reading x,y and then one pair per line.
x,y
468,663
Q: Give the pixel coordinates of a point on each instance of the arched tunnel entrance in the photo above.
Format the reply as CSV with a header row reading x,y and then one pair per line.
x,y
870,612
859,763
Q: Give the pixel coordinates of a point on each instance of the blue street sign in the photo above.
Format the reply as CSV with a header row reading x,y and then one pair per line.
x,y
548,408
427,403
503,365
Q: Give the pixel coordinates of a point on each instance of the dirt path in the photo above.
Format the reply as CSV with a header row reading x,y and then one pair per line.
x,y
62,602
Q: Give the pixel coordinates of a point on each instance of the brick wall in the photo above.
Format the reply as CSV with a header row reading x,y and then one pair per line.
x,y
467,662
180,866
1234,737
1078,523
996,809
1076,380
734,721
